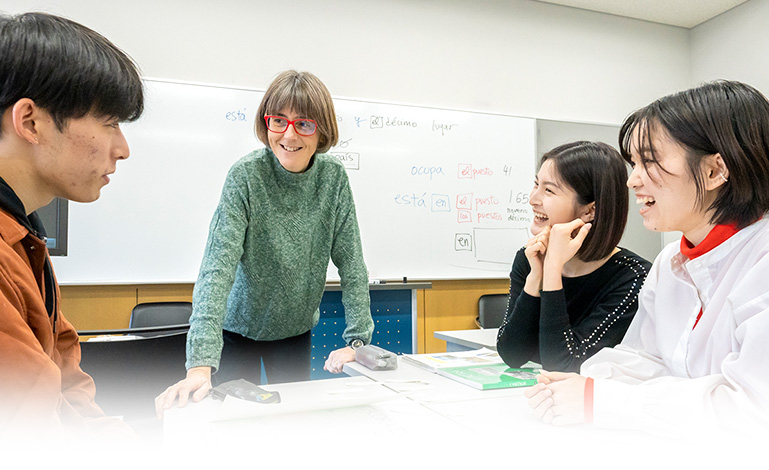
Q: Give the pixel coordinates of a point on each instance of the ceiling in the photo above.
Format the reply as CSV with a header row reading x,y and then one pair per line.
x,y
683,13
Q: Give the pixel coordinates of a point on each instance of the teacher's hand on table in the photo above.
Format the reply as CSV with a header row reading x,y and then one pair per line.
x,y
338,358
197,384
558,397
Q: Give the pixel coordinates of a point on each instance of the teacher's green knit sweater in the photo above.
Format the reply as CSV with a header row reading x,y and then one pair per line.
x,y
264,268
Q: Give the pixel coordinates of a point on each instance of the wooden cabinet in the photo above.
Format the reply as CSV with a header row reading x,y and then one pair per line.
x,y
453,305
448,305
109,306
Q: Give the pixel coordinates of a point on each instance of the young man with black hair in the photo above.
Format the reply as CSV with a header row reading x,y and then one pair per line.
x,y
64,90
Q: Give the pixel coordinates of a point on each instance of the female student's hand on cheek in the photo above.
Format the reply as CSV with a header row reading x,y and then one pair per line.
x,y
562,247
535,251
338,358
558,398
536,247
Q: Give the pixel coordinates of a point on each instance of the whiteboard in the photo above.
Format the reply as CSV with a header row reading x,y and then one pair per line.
x,y
440,194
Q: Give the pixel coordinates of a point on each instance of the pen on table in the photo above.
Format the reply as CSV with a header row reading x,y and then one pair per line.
x,y
377,281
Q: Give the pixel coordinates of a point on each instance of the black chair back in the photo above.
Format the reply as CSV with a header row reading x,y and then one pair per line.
x,y
491,310
160,314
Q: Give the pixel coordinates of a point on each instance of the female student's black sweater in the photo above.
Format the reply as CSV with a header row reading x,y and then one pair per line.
x,y
562,328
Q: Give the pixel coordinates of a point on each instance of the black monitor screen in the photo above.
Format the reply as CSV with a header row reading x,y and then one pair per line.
x,y
54,217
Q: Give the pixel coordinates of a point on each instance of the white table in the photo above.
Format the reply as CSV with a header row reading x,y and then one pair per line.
x,y
465,340
405,417
332,405
488,420
409,409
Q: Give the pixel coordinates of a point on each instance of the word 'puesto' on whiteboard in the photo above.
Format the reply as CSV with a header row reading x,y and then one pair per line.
x,y
466,170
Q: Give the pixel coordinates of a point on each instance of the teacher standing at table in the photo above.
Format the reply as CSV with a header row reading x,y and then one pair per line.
x,y
285,210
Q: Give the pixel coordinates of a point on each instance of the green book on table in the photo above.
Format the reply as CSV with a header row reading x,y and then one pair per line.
x,y
489,377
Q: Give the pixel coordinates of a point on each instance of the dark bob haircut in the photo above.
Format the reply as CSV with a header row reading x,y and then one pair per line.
x,y
721,117
304,93
597,173
67,69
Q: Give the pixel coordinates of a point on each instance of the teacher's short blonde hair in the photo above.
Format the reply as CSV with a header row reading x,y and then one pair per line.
x,y
306,95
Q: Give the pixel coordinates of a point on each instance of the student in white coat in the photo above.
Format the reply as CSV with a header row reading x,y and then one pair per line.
x,y
696,354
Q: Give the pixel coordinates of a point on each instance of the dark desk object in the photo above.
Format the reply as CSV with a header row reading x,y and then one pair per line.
x,y
160,314
130,373
491,310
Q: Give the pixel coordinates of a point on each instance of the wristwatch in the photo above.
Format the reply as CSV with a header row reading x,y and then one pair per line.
x,y
356,343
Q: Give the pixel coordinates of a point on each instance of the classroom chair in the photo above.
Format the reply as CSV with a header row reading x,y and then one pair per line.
x,y
491,310
160,314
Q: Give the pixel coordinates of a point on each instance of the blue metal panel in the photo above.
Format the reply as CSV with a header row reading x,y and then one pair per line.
x,y
391,311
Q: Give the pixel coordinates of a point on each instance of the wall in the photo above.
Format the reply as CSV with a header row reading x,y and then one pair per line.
x,y
733,46
508,56
513,57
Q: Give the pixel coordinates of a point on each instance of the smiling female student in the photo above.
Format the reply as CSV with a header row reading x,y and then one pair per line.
x,y
570,297
285,211
696,352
